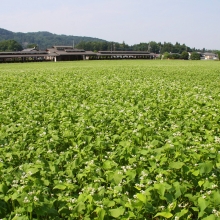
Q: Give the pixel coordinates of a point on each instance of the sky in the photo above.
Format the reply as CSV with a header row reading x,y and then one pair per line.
x,y
193,22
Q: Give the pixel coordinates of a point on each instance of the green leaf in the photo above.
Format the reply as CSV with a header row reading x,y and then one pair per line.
x,y
160,189
100,213
178,191
131,174
196,173
164,214
108,203
201,183
202,203
215,199
182,213
143,152
117,212
176,165
14,196
80,207
125,143
32,171
195,209
30,208
142,197
117,177
206,167
46,182
60,186
107,165
210,217
3,188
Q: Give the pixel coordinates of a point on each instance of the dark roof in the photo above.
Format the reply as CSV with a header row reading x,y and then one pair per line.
x,y
62,47
74,50
209,54
23,55
23,52
64,53
123,52
67,50
34,53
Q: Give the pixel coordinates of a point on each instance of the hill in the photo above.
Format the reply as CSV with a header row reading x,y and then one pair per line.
x,y
44,39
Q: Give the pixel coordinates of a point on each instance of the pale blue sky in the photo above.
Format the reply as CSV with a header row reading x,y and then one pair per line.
x,y
193,22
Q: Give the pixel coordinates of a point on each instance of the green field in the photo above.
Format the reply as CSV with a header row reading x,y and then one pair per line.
x,y
102,140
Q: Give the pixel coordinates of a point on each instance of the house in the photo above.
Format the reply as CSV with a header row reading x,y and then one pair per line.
x,y
209,56
206,56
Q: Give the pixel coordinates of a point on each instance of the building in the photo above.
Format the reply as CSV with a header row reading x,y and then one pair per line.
x,y
209,56
125,55
205,56
26,55
68,53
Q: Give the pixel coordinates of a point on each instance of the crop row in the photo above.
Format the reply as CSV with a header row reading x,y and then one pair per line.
x,y
106,140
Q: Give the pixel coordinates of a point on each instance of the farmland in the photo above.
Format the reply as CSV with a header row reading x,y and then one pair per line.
x,y
110,140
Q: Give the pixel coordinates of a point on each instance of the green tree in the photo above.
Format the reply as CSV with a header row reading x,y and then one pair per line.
x,y
218,53
166,55
184,55
10,45
173,56
195,56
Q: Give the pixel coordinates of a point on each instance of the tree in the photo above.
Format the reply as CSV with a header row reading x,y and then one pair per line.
x,y
218,53
184,55
10,45
165,55
195,56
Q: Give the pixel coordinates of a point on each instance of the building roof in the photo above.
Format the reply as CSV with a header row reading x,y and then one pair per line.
x,y
22,55
68,50
123,52
62,47
30,49
209,54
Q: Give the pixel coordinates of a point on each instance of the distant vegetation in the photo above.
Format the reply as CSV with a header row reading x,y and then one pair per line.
x,y
151,47
44,40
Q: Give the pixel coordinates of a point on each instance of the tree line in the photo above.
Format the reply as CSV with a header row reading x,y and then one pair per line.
x,y
169,50
152,47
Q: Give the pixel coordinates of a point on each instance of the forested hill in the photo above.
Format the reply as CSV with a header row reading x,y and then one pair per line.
x,y
43,39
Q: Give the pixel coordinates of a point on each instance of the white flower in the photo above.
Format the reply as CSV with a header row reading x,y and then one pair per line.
x,y
36,199
162,207
209,192
26,200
